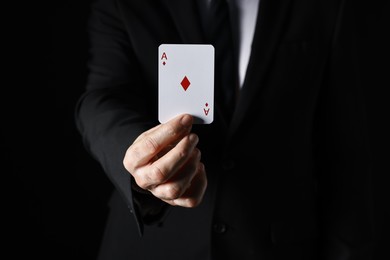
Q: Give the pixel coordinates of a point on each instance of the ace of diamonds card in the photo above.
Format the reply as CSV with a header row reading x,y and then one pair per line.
x,y
186,81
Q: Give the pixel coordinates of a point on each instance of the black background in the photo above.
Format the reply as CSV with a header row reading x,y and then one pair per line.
x,y
60,201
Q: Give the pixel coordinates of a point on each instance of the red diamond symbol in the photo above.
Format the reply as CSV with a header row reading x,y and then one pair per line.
x,y
185,83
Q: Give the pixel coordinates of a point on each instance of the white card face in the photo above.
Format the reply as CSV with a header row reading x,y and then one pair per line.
x,y
186,82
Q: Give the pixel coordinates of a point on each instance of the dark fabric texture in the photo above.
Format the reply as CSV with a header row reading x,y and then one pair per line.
x,y
288,177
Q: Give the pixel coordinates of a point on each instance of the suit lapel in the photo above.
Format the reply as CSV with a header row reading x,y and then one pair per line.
x,y
269,27
187,20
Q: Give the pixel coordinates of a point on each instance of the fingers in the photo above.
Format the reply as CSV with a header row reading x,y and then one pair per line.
x,y
194,194
181,181
166,167
165,161
152,142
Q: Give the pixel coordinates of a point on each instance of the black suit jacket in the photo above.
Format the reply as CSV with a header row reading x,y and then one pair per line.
x,y
288,178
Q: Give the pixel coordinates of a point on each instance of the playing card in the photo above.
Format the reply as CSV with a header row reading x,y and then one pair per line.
x,y
186,81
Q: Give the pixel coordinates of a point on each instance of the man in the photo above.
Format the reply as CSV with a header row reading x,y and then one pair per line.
x,y
285,175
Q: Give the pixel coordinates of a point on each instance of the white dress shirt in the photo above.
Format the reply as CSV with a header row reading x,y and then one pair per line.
x,y
247,16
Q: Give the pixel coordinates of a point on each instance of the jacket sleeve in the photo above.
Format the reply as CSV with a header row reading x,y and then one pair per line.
x,y
114,109
344,153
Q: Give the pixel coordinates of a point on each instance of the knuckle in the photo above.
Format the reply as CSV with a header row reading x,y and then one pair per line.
x,y
183,154
151,145
142,183
187,152
156,175
133,158
172,192
127,160
191,202
127,164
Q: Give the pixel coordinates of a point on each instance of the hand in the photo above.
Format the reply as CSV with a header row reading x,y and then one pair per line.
x,y
165,161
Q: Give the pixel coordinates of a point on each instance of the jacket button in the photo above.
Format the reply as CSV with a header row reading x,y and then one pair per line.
x,y
219,228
